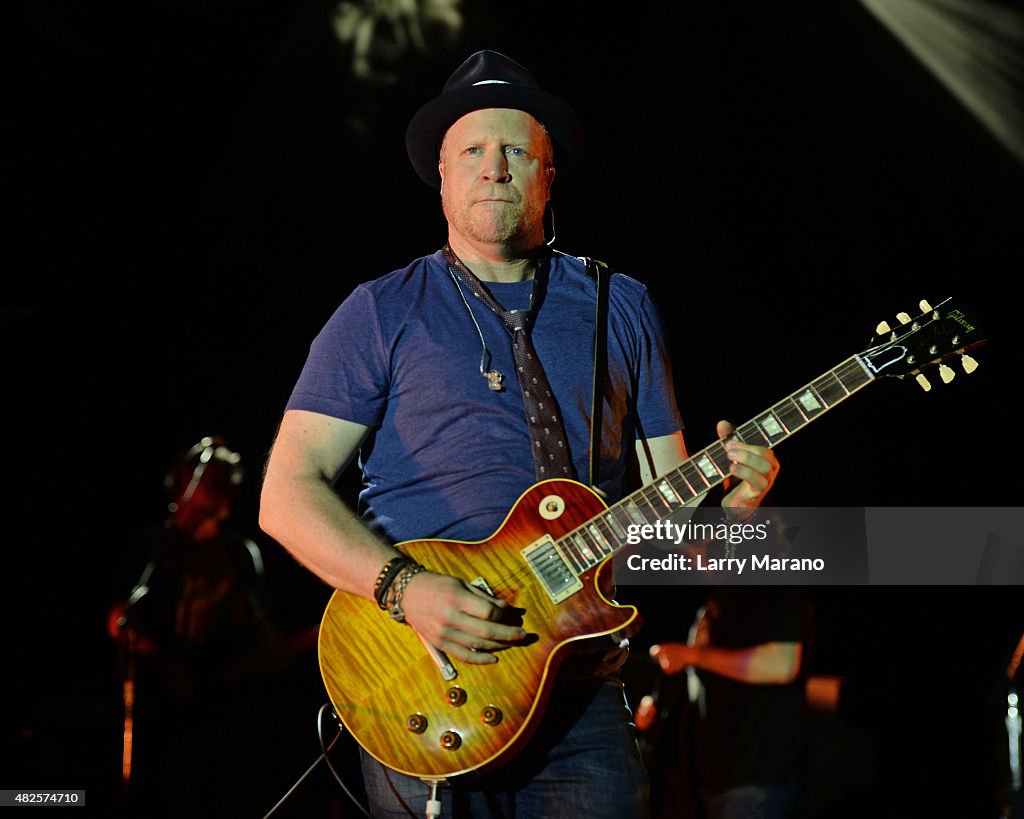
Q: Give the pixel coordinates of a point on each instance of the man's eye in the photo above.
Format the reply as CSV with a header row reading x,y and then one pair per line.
x,y
514,151
473,150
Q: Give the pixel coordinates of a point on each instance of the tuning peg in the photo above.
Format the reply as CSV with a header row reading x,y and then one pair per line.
x,y
925,384
883,328
925,306
903,317
946,373
970,365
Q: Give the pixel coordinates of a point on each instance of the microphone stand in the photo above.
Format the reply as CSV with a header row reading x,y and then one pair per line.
x,y
128,698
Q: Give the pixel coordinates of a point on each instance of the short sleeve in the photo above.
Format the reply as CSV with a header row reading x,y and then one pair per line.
x,y
346,374
656,407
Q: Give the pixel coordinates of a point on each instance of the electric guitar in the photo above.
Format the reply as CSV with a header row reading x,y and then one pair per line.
x,y
420,714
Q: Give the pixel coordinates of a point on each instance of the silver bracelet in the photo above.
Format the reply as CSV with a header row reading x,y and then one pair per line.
x,y
395,602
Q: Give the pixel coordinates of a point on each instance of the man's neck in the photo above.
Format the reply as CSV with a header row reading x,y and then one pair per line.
x,y
491,263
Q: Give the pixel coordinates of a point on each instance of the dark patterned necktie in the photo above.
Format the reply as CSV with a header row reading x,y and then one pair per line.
x,y
550,448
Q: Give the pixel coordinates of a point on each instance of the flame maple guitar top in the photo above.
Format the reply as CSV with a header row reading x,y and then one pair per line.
x,y
378,674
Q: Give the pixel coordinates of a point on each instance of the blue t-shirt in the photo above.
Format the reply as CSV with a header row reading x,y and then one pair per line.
x,y
447,457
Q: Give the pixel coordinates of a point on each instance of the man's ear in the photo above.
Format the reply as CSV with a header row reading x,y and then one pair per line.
x,y
440,171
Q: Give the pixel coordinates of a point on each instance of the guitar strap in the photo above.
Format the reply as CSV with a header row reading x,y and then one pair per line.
x,y
601,274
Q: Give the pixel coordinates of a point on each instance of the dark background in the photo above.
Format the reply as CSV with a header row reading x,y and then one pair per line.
x,y
193,187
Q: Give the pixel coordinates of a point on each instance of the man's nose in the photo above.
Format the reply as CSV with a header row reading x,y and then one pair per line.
x,y
496,167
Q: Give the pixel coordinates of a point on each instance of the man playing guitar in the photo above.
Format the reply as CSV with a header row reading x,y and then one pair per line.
x,y
395,378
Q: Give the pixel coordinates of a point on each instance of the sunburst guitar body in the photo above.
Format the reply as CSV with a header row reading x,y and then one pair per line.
x,y
390,690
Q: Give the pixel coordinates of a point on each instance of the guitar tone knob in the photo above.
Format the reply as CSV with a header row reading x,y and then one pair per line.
x,y
456,696
450,740
491,715
417,723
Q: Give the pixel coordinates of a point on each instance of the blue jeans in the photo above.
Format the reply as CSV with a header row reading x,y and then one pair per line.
x,y
751,802
583,762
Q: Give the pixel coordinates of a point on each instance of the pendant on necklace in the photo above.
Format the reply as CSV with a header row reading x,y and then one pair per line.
x,y
494,379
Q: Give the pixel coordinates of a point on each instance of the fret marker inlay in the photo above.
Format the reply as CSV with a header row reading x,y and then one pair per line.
x,y
707,467
667,493
808,400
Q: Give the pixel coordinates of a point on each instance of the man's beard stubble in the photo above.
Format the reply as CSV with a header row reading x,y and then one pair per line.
x,y
494,224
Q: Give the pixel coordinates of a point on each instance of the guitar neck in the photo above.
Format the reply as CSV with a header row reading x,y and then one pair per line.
x,y
605,534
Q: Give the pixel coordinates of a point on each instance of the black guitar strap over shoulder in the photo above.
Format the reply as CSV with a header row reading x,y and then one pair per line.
x,y
601,274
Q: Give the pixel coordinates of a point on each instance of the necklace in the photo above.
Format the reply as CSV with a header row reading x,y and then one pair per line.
x,y
519,317
494,378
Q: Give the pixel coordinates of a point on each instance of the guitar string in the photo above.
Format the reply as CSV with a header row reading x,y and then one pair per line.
x,y
845,368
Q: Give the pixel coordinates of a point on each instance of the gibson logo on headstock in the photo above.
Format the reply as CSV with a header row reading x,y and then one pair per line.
x,y
961,319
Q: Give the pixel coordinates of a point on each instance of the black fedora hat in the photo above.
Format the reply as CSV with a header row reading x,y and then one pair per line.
x,y
488,79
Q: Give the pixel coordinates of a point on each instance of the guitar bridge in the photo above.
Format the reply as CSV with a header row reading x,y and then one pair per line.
x,y
552,569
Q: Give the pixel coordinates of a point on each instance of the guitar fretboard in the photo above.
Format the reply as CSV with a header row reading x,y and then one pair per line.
x,y
606,533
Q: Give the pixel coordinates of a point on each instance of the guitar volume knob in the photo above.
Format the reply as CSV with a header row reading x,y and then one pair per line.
x,y
491,715
456,696
417,723
450,740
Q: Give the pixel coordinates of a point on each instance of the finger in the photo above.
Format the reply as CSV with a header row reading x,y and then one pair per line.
x,y
489,634
646,713
749,462
458,651
485,606
757,458
469,647
665,657
758,481
480,605
725,429
497,601
491,626
735,448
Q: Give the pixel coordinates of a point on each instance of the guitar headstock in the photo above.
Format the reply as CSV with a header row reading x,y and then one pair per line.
x,y
937,335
